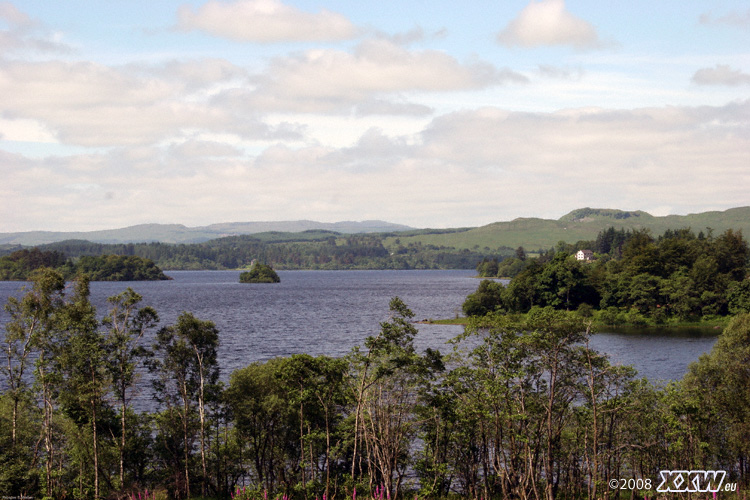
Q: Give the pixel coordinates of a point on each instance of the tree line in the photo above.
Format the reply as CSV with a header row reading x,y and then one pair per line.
x,y
19,265
521,408
318,250
635,278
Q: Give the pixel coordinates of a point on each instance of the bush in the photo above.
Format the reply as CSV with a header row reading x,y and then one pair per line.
x,y
660,315
738,296
635,318
585,310
611,316
486,299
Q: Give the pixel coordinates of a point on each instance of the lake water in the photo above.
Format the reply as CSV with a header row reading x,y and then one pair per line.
x,y
329,312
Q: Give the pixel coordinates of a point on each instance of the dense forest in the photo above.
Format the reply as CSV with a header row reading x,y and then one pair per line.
x,y
522,408
634,278
19,265
306,250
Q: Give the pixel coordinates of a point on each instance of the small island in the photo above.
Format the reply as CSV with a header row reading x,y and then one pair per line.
x,y
259,273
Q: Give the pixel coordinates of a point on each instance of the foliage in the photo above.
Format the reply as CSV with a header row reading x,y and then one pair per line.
x,y
292,251
259,273
20,264
486,299
523,408
186,386
718,386
676,277
119,268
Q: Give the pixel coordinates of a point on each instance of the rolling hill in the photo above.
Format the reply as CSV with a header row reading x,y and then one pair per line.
x,y
177,233
578,225
530,233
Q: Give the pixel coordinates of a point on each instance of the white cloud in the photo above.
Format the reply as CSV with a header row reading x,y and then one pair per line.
x,y
192,149
721,74
469,167
328,80
90,104
392,108
195,74
619,158
264,21
25,131
378,66
548,23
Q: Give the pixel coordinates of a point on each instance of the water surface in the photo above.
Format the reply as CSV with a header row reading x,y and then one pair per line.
x,y
329,312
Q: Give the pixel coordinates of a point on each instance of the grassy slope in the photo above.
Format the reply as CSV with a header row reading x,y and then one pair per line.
x,y
579,225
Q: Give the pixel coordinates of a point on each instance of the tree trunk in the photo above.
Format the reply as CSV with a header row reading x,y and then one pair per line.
x,y
96,450
122,445
47,425
358,414
202,412
328,454
185,437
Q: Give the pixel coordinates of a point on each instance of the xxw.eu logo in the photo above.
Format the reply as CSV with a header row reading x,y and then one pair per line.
x,y
677,481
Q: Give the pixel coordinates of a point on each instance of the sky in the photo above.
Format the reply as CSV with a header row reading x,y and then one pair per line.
x,y
431,114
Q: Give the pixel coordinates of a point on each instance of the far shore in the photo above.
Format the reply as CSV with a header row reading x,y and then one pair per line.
x,y
714,324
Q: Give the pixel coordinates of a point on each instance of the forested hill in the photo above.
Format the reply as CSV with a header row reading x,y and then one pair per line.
x,y
307,250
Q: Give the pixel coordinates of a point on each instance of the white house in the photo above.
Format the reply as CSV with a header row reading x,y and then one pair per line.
x,y
585,255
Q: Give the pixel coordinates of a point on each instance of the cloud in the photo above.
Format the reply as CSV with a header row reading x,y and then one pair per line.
x,y
414,35
328,80
194,74
672,155
562,73
379,66
264,21
466,167
546,23
14,17
735,19
193,149
24,33
89,104
721,74
391,108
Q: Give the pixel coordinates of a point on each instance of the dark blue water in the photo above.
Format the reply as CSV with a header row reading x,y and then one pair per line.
x,y
329,312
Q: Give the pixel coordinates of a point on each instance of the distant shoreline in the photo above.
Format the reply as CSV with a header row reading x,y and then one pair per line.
x,y
717,324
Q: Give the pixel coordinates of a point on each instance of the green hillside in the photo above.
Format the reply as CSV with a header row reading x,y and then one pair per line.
x,y
581,224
